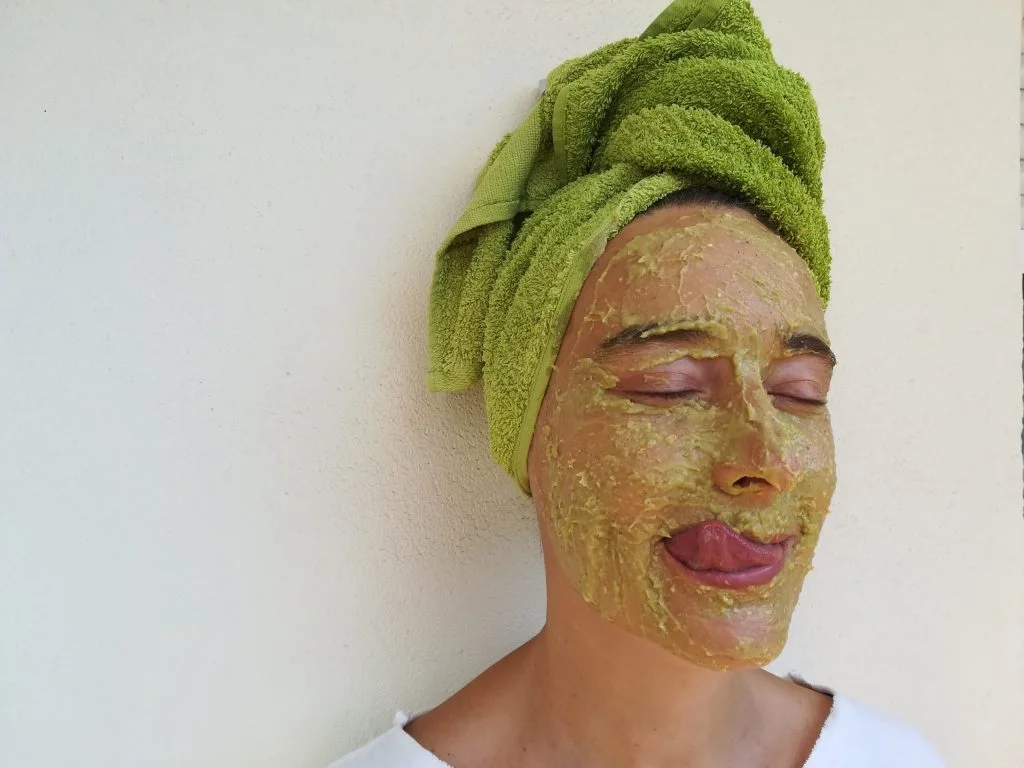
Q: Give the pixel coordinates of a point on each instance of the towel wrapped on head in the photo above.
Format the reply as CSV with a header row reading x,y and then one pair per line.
x,y
696,101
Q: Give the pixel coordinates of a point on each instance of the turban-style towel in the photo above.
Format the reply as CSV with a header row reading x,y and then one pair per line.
x,y
696,101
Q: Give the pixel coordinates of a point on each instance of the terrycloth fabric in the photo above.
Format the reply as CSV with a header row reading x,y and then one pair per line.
x,y
696,100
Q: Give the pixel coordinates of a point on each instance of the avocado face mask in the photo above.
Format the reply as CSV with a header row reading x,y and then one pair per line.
x,y
688,388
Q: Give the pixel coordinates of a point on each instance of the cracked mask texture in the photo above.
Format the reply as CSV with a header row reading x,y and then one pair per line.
x,y
617,467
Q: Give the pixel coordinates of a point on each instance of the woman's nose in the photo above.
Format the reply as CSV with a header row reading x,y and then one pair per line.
x,y
756,469
754,481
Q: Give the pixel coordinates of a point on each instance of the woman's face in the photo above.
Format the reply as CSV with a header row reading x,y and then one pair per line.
x,y
683,463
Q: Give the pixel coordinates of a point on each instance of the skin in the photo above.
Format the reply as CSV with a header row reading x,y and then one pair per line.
x,y
688,387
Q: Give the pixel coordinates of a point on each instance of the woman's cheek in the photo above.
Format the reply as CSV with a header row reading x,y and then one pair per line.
x,y
816,480
646,461
818,454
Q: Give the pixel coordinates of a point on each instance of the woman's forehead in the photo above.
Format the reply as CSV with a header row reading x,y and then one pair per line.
x,y
699,260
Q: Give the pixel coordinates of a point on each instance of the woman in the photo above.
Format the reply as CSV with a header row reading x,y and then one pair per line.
x,y
639,280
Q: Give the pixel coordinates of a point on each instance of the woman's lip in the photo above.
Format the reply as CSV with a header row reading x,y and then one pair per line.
x,y
714,554
747,577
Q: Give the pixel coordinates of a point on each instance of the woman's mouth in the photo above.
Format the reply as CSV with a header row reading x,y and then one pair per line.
x,y
714,554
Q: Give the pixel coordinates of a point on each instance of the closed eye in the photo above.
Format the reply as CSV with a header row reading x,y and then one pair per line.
x,y
686,394
683,379
800,383
795,399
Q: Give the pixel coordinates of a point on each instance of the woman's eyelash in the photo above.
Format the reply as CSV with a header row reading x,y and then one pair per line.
x,y
802,400
685,394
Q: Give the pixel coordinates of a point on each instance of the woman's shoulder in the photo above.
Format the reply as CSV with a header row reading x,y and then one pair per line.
x,y
857,736
854,736
468,728
392,749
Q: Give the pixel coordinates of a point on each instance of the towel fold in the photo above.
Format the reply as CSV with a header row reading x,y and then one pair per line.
x,y
696,100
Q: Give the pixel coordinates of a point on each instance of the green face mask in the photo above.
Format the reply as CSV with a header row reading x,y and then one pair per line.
x,y
689,389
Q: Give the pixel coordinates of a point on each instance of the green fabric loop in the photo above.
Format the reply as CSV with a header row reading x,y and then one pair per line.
x,y
685,16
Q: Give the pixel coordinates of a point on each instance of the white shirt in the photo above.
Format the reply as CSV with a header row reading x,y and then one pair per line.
x,y
854,736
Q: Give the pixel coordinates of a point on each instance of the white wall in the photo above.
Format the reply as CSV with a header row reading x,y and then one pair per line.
x,y
236,531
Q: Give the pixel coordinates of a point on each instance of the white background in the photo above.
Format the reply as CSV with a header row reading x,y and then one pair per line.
x,y
234,528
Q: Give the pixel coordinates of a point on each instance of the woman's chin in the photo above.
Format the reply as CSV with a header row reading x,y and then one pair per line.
x,y
721,655
747,639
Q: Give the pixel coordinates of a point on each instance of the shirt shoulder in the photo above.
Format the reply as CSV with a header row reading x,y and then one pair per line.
x,y
858,736
854,736
392,749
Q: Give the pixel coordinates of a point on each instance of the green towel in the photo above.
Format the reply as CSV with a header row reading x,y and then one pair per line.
x,y
696,100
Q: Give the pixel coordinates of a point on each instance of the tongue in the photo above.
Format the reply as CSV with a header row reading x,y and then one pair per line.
x,y
714,546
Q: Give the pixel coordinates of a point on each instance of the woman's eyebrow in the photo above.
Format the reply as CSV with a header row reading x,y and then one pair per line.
x,y
808,342
694,333
639,334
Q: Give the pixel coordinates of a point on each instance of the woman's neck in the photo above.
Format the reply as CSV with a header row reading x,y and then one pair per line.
x,y
585,693
599,695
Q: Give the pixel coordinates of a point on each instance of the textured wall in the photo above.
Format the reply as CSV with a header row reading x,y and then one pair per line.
x,y
235,530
